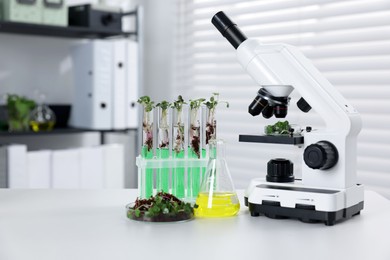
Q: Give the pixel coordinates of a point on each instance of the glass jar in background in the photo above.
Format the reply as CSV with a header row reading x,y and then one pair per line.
x,y
42,118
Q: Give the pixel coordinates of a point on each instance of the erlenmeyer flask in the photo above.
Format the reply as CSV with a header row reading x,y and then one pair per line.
x,y
217,196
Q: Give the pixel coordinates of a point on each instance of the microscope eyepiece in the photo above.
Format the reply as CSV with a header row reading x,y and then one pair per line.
x,y
303,105
228,29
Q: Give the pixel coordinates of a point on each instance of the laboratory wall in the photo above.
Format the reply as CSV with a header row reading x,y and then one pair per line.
x,y
158,34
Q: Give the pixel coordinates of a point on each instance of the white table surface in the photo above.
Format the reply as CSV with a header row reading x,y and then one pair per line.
x,y
92,224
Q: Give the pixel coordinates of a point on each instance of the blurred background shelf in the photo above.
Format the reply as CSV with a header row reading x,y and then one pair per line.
x,y
65,130
60,31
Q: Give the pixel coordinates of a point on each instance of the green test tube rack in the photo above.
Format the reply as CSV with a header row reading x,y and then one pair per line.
x,y
175,167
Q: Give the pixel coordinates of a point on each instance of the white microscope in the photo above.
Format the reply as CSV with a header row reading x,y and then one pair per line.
x,y
328,191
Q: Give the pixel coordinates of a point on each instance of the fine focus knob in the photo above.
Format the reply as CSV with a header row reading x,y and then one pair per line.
x,y
322,155
280,170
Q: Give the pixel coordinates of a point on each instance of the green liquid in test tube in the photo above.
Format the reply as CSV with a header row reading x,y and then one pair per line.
x,y
178,176
162,175
148,184
193,180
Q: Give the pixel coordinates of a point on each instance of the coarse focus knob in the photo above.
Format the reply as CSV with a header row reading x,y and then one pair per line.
x,y
280,170
321,155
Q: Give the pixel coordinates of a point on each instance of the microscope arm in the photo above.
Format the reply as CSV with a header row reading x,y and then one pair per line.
x,y
282,64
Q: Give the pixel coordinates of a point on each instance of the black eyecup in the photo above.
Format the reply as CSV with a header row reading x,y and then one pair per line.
x,y
303,105
228,29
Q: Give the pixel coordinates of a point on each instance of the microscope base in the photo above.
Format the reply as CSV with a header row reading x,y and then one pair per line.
x,y
310,205
308,215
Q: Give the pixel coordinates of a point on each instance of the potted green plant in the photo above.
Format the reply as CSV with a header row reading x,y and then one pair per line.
x,y
19,108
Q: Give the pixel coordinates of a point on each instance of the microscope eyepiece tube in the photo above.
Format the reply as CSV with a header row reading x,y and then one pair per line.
x,y
228,29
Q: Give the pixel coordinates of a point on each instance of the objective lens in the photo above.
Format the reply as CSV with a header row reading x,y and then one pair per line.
x,y
257,105
280,111
268,112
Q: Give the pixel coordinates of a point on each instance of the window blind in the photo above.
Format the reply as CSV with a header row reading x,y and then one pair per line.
x,y
348,41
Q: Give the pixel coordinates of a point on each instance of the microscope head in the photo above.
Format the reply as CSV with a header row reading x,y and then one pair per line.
x,y
270,100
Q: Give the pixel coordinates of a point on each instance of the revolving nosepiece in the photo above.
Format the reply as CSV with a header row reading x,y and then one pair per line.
x,y
268,104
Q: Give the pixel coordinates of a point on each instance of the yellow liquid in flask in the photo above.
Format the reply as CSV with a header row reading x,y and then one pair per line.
x,y
38,126
220,204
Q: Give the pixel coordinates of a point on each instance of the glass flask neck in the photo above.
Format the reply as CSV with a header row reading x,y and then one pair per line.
x,y
217,149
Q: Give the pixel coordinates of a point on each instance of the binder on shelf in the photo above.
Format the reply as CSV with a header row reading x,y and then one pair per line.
x,y
38,169
17,166
119,84
114,163
91,167
65,169
132,84
92,102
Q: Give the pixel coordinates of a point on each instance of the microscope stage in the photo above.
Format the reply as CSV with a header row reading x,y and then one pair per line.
x,y
272,139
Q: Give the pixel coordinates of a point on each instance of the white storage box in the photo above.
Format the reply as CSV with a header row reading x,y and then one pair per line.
x,y
54,12
27,11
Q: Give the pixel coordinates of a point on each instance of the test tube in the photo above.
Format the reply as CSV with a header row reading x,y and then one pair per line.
x,y
163,151
178,151
147,151
206,132
194,151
